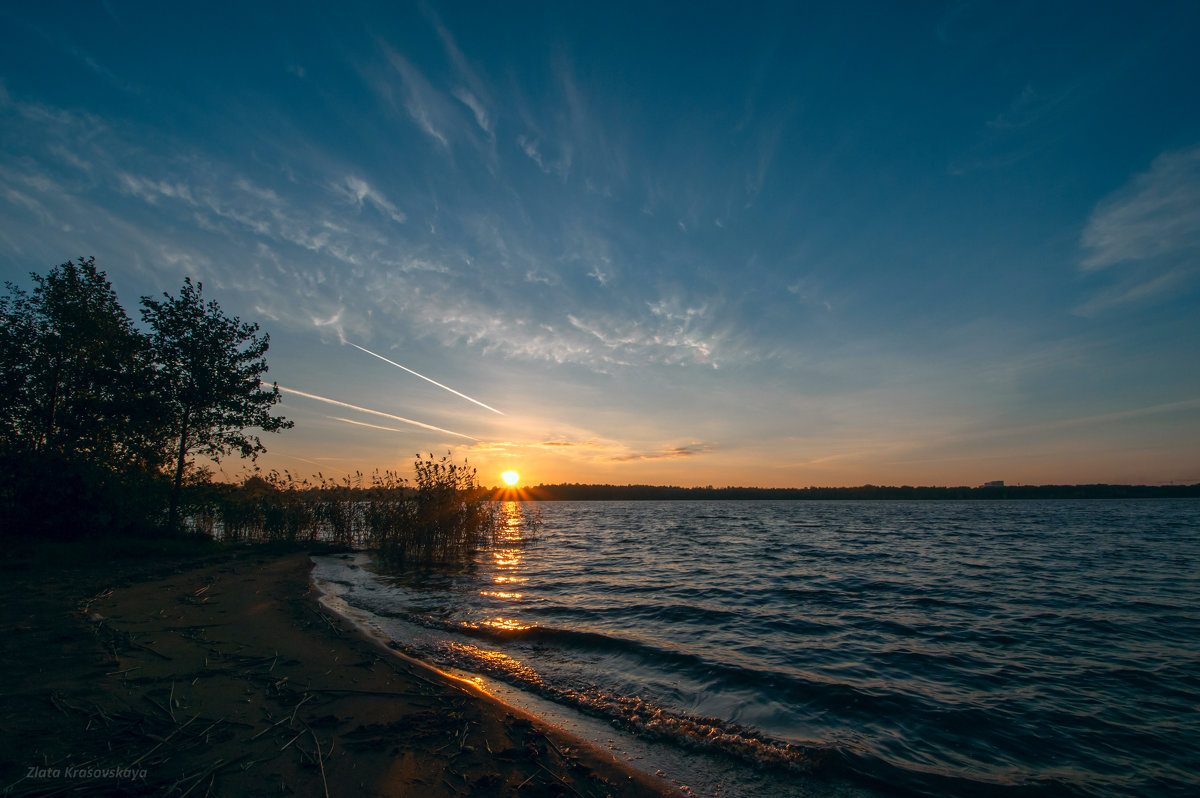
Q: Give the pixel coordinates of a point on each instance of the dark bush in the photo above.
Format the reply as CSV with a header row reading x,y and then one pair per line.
x,y
46,496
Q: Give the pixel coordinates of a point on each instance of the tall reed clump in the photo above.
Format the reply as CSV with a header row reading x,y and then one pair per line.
x,y
339,505
442,520
275,507
288,512
389,509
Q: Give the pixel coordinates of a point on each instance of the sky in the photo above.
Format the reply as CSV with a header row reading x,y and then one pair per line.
x,y
772,244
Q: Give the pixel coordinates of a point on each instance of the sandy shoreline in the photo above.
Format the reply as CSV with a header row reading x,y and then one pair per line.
x,y
231,679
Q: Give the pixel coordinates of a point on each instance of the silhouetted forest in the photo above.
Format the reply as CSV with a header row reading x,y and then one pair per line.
x,y
577,492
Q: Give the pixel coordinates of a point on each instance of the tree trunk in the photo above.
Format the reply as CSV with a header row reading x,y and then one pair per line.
x,y
177,488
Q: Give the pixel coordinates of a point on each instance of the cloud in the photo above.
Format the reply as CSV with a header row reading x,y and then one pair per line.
x,y
424,103
264,194
535,276
357,190
101,71
1156,215
671,335
532,147
471,101
1028,108
655,197
1019,131
1130,291
1146,235
29,203
152,190
756,179
475,94
300,247
810,292
672,453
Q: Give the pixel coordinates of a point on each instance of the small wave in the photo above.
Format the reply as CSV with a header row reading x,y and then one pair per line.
x,y
818,696
634,713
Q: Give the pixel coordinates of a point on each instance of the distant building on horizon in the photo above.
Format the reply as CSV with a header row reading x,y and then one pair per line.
x,y
996,483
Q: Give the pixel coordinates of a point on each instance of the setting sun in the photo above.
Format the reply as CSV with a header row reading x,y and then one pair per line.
x,y
510,477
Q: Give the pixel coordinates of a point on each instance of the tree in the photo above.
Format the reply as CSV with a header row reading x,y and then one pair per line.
x,y
75,376
80,428
209,371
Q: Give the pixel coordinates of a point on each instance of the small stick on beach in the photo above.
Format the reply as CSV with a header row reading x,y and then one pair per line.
x,y
320,760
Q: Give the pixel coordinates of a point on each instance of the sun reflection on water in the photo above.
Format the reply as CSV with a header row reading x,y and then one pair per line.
x,y
506,558
506,624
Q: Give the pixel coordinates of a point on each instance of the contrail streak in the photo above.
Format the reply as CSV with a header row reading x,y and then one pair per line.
x,y
365,424
374,413
422,376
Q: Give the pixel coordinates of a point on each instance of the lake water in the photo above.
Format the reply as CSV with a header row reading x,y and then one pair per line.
x,y
819,648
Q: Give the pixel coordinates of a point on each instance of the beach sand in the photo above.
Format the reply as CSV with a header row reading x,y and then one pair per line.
x,y
231,679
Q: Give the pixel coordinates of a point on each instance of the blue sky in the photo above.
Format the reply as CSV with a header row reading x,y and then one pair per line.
x,y
684,243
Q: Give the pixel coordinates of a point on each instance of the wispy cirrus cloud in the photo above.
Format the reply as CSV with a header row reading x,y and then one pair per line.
x,y
664,338
30,204
757,177
1156,215
425,105
304,252
1018,131
482,118
474,92
531,145
1147,233
104,72
1131,290
358,190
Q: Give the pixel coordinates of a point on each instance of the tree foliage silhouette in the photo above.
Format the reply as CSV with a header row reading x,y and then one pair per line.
x,y
75,376
99,419
209,369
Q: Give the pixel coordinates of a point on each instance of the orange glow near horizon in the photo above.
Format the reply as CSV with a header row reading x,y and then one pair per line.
x,y
510,478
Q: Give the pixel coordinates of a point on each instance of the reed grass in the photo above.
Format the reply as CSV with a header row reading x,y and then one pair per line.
x,y
441,517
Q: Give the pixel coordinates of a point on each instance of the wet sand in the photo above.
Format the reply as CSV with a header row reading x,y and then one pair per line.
x,y
231,679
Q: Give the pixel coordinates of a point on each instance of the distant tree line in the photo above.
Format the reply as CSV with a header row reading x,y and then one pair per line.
x,y
578,492
101,419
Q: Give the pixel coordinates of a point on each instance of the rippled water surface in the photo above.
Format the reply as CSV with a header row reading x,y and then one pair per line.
x,y
1031,648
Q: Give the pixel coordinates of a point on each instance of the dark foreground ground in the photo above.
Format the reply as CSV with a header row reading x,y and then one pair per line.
x,y
222,675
